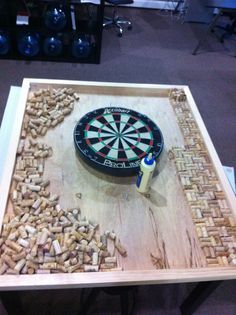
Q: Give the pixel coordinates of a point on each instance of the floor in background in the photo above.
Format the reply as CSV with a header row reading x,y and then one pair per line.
x,y
157,50
150,300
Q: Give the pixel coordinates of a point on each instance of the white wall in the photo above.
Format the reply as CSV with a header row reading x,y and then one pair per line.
x,y
155,4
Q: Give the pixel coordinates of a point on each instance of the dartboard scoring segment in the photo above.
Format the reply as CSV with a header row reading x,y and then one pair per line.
x,y
115,139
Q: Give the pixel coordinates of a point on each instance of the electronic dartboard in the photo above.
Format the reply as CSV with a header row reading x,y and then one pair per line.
x,y
115,139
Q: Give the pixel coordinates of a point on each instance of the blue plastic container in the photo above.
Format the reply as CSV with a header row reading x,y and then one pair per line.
x,y
55,19
81,46
4,43
28,44
52,46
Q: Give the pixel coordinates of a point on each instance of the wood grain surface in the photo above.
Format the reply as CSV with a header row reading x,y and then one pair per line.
x,y
145,225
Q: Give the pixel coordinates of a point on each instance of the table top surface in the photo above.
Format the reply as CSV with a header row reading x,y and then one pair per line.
x,y
146,226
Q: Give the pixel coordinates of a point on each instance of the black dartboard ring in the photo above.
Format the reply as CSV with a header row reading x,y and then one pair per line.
x,y
115,139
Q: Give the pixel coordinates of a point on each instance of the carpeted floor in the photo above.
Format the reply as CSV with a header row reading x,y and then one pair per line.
x,y
157,50
150,300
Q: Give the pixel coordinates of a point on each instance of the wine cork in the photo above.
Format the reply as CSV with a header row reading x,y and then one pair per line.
x,y
20,264
57,247
7,259
16,247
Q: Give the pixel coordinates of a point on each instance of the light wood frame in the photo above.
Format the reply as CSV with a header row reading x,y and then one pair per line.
x,y
118,278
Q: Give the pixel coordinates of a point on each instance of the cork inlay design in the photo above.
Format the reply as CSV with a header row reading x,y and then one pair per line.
x,y
214,222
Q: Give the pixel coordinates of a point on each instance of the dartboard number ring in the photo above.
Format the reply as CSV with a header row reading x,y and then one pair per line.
x,y
115,139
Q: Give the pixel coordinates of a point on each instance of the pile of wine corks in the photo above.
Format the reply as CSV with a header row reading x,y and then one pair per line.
x,y
47,108
214,222
38,236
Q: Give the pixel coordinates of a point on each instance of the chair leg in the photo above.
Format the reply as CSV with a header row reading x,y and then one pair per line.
x,y
209,30
107,21
120,33
114,13
229,31
177,6
126,307
199,294
91,298
125,22
124,302
119,24
117,21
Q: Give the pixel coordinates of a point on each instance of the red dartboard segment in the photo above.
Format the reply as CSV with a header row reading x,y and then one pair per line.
x,y
115,139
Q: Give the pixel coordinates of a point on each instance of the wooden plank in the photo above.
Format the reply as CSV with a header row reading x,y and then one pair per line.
x,y
11,150
6,128
107,279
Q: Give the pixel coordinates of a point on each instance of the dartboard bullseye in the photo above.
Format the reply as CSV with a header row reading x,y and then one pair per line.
x,y
115,139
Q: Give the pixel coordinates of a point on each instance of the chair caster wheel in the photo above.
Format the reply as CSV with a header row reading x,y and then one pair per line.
x,y
129,27
120,34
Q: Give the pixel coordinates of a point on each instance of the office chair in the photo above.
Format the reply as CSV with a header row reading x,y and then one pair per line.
x,y
116,20
225,8
230,28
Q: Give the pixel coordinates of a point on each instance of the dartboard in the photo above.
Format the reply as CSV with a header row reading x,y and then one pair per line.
x,y
115,139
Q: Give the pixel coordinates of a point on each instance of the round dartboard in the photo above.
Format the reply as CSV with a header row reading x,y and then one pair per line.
x,y
115,139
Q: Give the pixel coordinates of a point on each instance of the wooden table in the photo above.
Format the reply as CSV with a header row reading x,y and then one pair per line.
x,y
184,231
